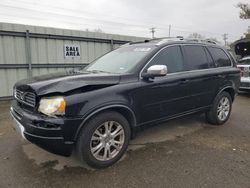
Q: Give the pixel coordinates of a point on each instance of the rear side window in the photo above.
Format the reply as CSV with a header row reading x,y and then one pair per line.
x,y
171,57
232,57
220,57
209,58
196,57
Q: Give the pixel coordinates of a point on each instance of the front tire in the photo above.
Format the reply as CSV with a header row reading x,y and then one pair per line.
x,y
221,109
104,139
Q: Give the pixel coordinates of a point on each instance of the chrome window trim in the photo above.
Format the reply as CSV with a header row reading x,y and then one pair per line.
x,y
201,70
181,72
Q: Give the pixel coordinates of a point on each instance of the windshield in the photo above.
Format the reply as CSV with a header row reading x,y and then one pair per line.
x,y
121,60
245,62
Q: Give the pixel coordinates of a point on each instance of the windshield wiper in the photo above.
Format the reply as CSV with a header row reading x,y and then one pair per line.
x,y
93,71
98,71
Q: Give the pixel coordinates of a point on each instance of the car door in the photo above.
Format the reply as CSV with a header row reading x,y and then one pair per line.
x,y
167,96
203,78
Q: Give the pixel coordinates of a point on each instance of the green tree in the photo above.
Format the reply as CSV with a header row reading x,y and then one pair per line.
x,y
245,10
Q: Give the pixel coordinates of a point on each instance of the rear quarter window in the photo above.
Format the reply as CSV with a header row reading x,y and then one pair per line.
x,y
220,57
195,57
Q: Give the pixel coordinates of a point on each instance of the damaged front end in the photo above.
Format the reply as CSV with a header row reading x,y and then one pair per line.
x,y
44,107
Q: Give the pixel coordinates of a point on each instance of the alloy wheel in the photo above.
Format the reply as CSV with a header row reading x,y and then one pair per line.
x,y
107,141
223,108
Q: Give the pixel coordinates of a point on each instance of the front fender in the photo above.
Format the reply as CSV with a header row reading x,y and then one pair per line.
x,y
104,107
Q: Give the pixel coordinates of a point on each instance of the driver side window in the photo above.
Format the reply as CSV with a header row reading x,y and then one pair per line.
x,y
171,57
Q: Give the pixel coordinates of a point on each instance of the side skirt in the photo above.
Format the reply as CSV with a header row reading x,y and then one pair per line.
x,y
165,119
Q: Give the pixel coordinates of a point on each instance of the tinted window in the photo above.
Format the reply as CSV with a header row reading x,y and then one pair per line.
x,y
196,57
209,58
171,57
220,57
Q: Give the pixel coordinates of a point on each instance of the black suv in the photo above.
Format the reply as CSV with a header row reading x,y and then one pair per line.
x,y
97,109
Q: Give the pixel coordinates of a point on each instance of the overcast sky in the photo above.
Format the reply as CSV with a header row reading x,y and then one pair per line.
x,y
211,18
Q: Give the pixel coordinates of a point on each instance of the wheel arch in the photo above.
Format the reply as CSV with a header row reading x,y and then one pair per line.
x,y
228,89
122,109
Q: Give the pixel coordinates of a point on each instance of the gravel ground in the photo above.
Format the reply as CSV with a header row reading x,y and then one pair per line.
x,y
180,153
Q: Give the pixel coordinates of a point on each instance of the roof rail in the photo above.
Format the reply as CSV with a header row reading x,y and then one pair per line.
x,y
163,40
211,41
166,38
202,40
126,44
169,39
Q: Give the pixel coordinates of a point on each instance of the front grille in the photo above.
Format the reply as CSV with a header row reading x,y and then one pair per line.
x,y
27,98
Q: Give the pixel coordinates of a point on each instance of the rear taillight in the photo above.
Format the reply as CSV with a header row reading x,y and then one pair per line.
x,y
241,71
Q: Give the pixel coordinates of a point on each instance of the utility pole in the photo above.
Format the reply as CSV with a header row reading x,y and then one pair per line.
x,y
152,30
225,37
169,30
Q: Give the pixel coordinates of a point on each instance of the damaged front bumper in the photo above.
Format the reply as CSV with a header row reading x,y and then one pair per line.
x,y
55,135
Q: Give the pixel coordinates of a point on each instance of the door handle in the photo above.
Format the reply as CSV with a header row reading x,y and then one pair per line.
x,y
221,76
184,81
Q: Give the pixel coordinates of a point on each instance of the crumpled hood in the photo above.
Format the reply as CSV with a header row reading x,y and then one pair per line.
x,y
66,81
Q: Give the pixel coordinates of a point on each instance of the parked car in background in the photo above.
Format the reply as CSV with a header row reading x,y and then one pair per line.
x,y
99,108
244,65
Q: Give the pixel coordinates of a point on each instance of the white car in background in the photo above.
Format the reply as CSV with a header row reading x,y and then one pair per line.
x,y
244,65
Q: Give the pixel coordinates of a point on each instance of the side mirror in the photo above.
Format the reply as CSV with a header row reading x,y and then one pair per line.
x,y
155,71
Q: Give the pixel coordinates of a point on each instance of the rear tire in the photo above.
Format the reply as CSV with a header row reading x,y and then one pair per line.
x,y
104,139
221,109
